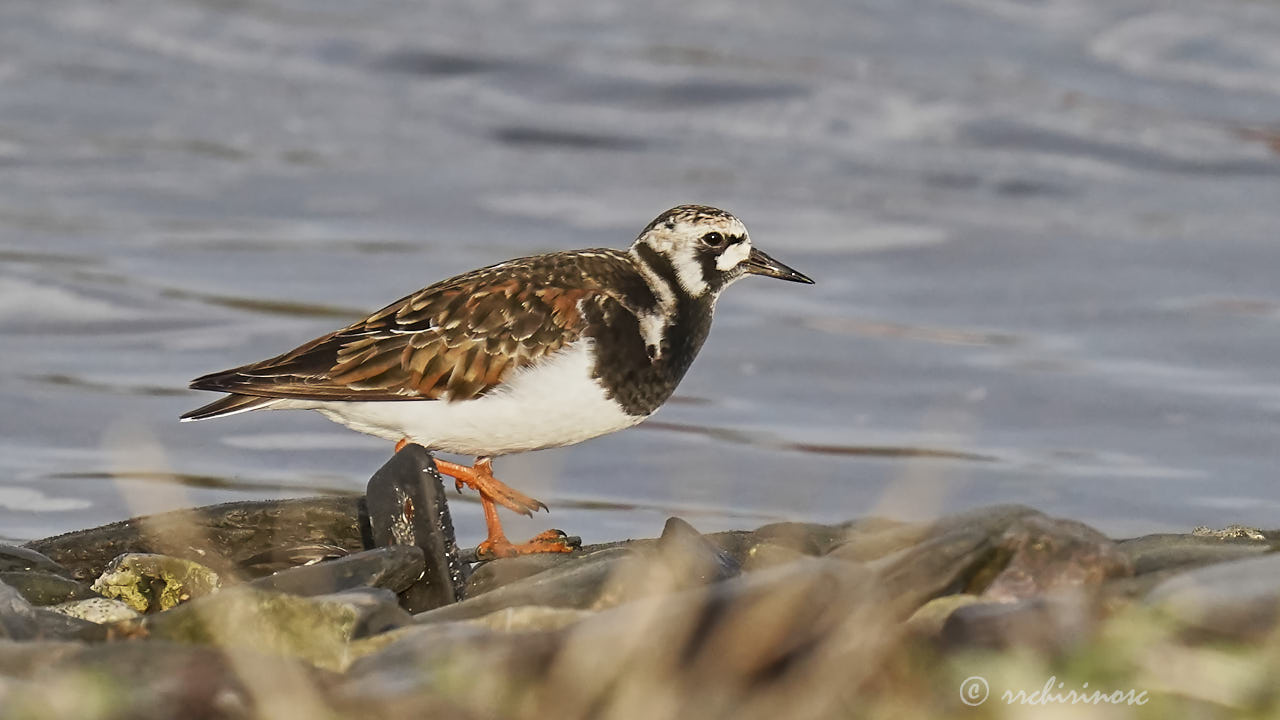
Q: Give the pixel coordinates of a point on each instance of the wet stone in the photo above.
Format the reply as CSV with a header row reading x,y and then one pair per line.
x,y
1239,600
941,565
17,616
874,544
878,539
1153,553
53,625
19,620
96,610
317,629
1230,532
688,559
531,618
417,661
212,536
772,626
14,558
396,568
735,544
151,583
805,538
1049,554
927,622
375,610
1048,624
494,574
42,588
405,502
579,584
514,620
764,555
274,560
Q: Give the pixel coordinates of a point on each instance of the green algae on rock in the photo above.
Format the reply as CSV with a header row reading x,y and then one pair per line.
x,y
150,583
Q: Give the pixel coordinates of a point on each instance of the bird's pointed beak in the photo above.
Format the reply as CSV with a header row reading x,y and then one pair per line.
x,y
759,263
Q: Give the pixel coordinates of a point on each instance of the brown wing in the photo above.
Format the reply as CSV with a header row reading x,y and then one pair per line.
x,y
454,340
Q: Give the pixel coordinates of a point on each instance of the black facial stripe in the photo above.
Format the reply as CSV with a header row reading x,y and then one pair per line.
x,y
711,275
659,264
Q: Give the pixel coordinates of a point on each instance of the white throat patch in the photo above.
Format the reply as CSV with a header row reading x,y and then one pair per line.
x,y
733,255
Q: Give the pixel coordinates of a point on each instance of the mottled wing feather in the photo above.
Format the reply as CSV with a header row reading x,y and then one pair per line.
x,y
454,340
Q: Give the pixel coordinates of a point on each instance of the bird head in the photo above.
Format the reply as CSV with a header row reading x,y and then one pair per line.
x,y
704,250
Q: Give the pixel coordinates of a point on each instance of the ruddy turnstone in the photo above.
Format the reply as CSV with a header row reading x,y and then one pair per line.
x,y
533,353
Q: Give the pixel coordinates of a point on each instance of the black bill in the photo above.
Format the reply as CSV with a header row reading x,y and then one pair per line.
x,y
759,263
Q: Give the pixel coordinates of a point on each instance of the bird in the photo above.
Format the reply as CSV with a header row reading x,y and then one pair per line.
x,y
537,352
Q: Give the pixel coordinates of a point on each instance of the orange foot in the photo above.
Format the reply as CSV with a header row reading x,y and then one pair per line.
x,y
494,492
545,542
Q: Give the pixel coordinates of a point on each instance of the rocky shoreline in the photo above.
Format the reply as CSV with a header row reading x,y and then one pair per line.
x,y
365,607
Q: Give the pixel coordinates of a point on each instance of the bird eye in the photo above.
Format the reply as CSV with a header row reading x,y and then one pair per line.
x,y
713,239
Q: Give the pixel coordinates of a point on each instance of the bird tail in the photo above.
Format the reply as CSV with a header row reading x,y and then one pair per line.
x,y
229,405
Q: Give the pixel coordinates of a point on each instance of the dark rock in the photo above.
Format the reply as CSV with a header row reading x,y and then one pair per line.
x,y
150,583
1045,555
276,559
212,536
926,622
496,666
1002,553
395,567
316,629
580,584
1152,553
377,610
686,558
17,616
816,622
20,621
529,618
868,545
764,555
878,539
494,574
735,544
807,538
14,558
681,558
940,565
42,588
1048,624
406,506
1238,600
52,625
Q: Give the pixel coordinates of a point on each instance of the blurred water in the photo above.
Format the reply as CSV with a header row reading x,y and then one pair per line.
x,y
1044,235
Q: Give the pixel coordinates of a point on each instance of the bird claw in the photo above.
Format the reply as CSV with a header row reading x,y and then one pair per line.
x,y
549,541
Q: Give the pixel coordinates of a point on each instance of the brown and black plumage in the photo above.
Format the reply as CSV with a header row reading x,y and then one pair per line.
x,y
530,353
454,340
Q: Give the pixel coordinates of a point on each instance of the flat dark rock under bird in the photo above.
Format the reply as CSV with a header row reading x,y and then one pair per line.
x,y
533,353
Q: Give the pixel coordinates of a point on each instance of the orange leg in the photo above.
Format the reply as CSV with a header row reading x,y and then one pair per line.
x,y
492,493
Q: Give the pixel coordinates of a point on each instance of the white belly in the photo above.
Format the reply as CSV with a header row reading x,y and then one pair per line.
x,y
550,404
